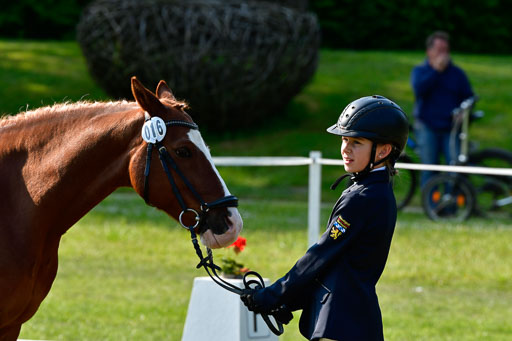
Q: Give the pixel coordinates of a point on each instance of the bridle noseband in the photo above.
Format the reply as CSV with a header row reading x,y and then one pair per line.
x,y
154,130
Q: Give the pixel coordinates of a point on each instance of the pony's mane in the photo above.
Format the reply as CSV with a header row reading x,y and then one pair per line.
x,y
63,108
67,107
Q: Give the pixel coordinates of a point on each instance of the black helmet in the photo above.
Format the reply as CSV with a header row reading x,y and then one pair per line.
x,y
375,118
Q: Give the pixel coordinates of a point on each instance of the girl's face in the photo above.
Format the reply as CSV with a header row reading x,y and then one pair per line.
x,y
356,153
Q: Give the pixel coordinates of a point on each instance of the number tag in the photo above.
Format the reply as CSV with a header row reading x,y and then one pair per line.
x,y
154,130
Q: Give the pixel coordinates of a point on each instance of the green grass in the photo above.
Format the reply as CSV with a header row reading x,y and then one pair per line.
x,y
126,273
343,76
35,74
126,270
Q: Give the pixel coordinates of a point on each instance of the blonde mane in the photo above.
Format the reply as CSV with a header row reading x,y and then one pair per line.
x,y
75,107
47,112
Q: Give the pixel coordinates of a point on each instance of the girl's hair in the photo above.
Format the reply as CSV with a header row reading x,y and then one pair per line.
x,y
389,162
390,167
392,171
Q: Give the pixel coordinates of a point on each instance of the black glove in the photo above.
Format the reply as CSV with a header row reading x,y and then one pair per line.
x,y
282,314
248,298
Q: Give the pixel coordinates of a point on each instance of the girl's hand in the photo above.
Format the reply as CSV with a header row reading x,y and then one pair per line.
x,y
282,315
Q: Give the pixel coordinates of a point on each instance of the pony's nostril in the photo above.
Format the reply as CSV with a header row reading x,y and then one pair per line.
x,y
225,226
227,218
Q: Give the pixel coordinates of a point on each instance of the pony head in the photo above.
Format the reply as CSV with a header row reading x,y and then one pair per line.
x,y
191,178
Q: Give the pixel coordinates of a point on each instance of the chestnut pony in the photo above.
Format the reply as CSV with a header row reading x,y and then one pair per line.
x,y
58,162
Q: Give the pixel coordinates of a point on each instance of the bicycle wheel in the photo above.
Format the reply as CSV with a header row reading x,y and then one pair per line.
x,y
404,183
448,197
493,192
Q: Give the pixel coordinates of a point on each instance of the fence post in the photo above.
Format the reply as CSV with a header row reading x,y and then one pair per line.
x,y
314,200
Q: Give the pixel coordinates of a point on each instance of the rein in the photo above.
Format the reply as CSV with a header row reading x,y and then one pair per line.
x,y
153,132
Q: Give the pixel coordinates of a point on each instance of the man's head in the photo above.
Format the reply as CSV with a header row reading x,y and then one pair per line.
x,y
437,35
438,49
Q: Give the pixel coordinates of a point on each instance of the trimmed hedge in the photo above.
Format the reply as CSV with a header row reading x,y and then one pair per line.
x,y
482,26
40,19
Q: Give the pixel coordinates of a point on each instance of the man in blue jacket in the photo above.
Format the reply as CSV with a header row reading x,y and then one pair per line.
x,y
439,87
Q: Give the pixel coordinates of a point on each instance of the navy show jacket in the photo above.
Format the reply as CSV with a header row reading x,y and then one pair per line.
x,y
334,282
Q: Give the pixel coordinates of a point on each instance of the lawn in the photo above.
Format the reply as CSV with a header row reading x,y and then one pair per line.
x,y
35,74
126,270
126,273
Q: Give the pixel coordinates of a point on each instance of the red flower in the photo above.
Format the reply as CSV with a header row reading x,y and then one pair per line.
x,y
239,244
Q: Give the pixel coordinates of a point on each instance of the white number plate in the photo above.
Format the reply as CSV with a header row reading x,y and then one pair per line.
x,y
154,130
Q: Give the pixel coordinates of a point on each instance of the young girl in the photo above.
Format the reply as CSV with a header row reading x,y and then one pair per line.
x,y
334,282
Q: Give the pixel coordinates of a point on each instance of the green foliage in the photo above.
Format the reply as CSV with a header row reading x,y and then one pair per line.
x,y
481,26
231,267
49,19
475,25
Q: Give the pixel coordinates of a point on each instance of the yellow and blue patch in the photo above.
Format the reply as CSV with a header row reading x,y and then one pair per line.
x,y
339,227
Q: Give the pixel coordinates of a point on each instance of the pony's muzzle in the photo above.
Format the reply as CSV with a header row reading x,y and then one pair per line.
x,y
223,232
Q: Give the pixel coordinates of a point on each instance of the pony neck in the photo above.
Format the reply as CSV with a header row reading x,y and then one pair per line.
x,y
75,156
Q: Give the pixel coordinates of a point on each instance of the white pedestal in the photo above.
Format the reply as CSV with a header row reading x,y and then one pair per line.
x,y
215,314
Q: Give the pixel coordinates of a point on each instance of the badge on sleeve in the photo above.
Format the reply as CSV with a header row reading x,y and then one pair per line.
x,y
339,227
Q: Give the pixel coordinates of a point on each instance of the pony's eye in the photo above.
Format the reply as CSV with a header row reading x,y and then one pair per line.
x,y
183,152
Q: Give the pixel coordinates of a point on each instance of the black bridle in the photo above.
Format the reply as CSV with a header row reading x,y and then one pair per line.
x,y
228,201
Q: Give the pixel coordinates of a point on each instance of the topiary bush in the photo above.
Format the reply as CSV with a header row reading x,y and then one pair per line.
x,y
236,62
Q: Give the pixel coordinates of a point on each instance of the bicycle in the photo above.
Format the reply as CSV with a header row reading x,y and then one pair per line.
x,y
457,196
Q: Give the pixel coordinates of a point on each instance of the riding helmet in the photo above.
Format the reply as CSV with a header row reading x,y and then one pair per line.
x,y
375,118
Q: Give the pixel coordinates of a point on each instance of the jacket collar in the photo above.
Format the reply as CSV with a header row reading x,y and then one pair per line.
x,y
377,176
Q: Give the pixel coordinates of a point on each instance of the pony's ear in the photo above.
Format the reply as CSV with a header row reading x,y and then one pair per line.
x,y
146,99
163,91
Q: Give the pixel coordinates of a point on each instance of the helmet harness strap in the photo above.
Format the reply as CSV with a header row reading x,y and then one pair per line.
x,y
371,164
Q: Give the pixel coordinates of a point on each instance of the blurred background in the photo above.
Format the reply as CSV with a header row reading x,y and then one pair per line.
x,y
253,72
263,78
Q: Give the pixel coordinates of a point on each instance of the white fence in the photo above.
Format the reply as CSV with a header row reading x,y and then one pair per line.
x,y
315,162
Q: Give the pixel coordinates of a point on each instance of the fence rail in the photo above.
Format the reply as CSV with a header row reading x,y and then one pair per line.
x,y
315,162
262,161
